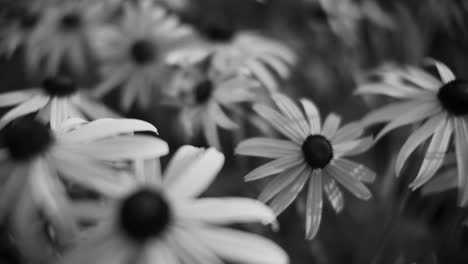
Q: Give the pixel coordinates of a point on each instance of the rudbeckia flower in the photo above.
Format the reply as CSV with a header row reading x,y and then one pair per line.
x,y
134,54
242,53
162,221
438,107
311,152
56,100
205,98
36,160
62,37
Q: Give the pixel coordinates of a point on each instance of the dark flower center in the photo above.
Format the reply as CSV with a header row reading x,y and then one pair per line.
x,y
219,34
203,91
318,151
59,86
143,52
144,215
29,20
454,97
70,21
26,138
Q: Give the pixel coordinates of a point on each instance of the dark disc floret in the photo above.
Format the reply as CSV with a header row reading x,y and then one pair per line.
x,y
29,20
71,21
203,91
27,138
318,151
219,34
454,97
144,215
60,86
143,52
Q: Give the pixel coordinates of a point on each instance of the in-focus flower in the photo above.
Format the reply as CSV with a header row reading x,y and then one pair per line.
x,y
438,107
206,97
163,221
56,100
36,161
62,37
134,54
311,152
242,53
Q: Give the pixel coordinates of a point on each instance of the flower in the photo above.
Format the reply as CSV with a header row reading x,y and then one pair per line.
x,y
134,55
241,52
56,100
36,161
438,107
311,152
62,37
204,96
163,221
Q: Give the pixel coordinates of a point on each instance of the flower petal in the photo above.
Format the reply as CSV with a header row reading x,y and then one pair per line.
x,y
16,97
267,148
221,118
290,193
388,112
314,204
242,247
280,181
293,113
461,150
334,193
354,147
274,167
445,73
190,249
356,170
104,128
331,125
348,132
29,106
198,173
350,183
313,115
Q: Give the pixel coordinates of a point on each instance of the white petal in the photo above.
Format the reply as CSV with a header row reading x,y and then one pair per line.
x,y
280,181
274,167
190,249
12,188
280,123
290,193
106,127
16,97
461,150
261,72
242,247
445,73
314,204
435,154
389,112
184,155
25,108
348,132
334,193
148,171
356,170
94,109
350,183
354,147
313,115
158,252
293,113
221,118
123,148
225,211
267,148
331,125
210,131
396,90
417,138
197,174
59,112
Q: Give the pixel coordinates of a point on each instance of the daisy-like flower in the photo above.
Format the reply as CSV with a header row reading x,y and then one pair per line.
x,y
162,221
242,53
35,160
311,152
56,100
204,97
438,107
134,54
62,37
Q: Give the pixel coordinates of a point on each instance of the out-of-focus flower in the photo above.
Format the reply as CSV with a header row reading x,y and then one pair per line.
x,y
134,54
205,96
311,152
36,160
242,53
163,221
62,37
56,100
439,106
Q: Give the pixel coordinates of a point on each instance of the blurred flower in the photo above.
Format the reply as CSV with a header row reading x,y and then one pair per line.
x,y
56,100
311,152
134,54
242,53
204,96
163,221
62,37
35,160
439,107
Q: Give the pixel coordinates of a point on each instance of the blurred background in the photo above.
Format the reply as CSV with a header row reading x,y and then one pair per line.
x,y
396,226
